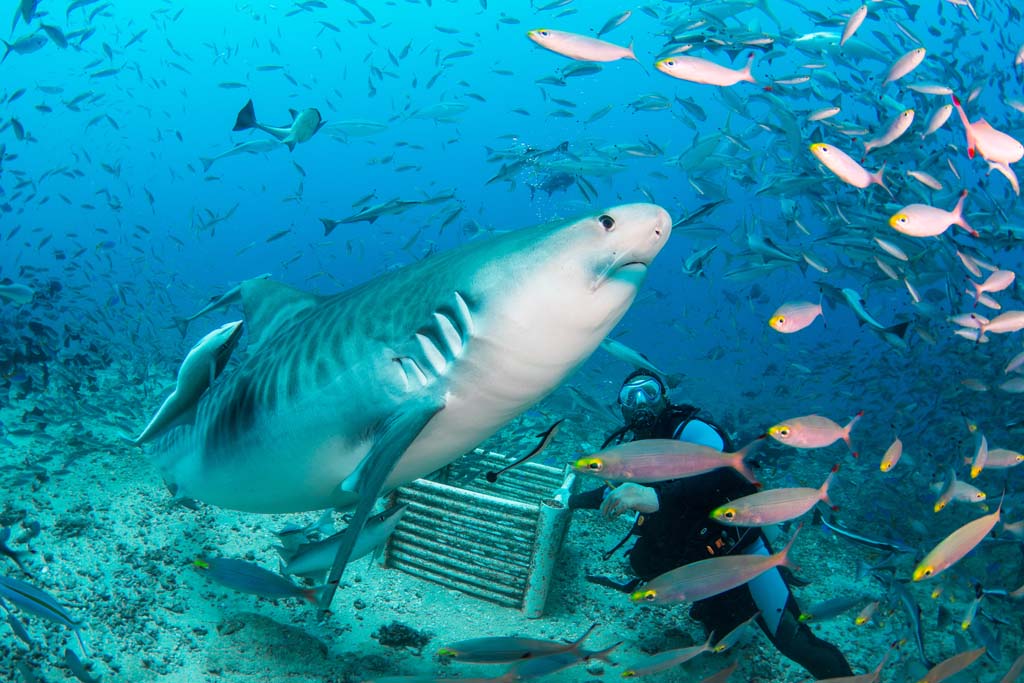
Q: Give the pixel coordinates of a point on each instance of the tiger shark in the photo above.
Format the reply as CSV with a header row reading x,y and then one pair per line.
x,y
343,397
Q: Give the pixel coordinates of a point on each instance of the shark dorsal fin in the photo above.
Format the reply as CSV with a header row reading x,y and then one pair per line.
x,y
271,306
294,114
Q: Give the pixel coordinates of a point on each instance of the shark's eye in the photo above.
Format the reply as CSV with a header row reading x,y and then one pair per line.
x,y
606,221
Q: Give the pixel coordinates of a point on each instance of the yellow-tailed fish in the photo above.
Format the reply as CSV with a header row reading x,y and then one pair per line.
x,y
698,70
904,65
773,506
980,456
853,23
921,220
866,614
580,47
666,660
813,431
845,167
705,578
794,316
650,460
996,282
952,549
951,666
894,132
892,455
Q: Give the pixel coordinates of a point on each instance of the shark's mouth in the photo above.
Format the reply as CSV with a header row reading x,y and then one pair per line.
x,y
620,271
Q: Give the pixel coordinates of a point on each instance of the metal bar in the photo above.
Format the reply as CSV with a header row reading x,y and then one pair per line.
x,y
441,496
517,561
452,525
498,577
451,574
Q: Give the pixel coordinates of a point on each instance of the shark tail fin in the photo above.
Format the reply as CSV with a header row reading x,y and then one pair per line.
x,y
291,145
246,118
329,225
181,324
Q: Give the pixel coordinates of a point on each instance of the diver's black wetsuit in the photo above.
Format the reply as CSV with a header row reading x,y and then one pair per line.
x,y
681,532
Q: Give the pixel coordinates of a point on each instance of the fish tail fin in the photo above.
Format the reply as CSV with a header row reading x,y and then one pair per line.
x,y
291,145
971,144
329,225
849,427
579,641
748,74
823,490
878,178
605,654
181,324
207,163
7,52
741,455
246,118
958,215
782,557
632,54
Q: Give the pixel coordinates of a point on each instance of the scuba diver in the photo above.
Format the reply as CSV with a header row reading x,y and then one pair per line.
x,y
673,528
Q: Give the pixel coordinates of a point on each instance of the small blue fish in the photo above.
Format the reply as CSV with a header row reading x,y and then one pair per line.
x,y
247,577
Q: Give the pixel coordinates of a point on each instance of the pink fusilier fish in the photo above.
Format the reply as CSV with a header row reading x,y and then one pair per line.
x,y
1014,363
894,132
921,220
1013,386
794,316
697,70
650,460
813,431
904,65
705,578
892,455
1003,458
937,120
954,547
994,146
926,179
580,47
853,23
773,506
1010,321
956,491
996,282
845,167
668,659
980,456
952,666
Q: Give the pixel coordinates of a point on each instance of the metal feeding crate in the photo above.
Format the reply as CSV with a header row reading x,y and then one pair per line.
x,y
496,541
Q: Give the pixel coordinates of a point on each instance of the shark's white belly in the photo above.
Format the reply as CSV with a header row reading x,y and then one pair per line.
x,y
296,457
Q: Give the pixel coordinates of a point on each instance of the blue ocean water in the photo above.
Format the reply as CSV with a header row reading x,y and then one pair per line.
x,y
109,216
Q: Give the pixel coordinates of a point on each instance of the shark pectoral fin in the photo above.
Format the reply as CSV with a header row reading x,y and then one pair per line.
x,y
392,439
270,306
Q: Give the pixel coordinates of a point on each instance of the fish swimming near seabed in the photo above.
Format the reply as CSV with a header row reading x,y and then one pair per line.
x,y
304,125
441,354
201,367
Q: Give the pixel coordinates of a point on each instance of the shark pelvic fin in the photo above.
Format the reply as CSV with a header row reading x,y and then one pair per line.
x,y
270,306
393,437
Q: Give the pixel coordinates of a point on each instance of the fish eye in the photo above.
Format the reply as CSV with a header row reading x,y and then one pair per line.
x,y
783,431
781,320
595,465
669,63
650,595
543,32
729,514
902,220
824,148
606,221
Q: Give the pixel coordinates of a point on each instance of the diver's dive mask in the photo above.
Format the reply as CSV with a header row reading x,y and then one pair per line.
x,y
642,398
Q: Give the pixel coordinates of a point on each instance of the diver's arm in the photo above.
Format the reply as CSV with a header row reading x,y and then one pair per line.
x,y
588,500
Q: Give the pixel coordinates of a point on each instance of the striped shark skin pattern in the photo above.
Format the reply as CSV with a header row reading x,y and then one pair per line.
x,y
342,397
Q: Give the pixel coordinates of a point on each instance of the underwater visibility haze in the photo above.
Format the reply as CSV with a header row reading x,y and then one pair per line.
x,y
263,265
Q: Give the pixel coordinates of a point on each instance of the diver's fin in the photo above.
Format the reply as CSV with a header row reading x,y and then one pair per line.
x,y
392,439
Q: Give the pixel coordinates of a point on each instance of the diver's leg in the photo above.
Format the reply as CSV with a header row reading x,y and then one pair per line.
x,y
795,641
